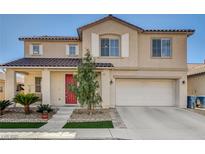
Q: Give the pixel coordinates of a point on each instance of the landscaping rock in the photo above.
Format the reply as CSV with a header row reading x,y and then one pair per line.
x,y
82,115
16,114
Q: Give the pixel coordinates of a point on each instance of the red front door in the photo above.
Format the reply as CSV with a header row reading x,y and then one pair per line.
x,y
70,97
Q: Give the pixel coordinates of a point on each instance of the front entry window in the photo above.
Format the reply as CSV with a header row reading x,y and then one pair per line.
x,y
38,84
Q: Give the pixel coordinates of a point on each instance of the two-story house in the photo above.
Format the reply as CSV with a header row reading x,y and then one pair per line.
x,y
137,67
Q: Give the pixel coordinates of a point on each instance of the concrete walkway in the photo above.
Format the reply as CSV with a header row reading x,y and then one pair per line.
x,y
58,120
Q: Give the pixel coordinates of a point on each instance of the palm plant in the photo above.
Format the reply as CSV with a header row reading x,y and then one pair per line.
x,y
26,100
44,107
3,105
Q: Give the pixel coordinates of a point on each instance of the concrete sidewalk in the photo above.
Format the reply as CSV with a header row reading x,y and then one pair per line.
x,y
153,123
102,134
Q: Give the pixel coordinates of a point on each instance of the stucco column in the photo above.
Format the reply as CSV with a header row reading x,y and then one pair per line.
x,y
46,90
105,91
182,92
10,84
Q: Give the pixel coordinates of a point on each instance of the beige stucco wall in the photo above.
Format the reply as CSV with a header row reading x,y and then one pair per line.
x,y
139,47
196,85
112,27
51,49
178,59
2,94
29,80
10,84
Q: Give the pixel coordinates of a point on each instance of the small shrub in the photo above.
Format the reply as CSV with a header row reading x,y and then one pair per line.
x,y
26,100
3,105
44,108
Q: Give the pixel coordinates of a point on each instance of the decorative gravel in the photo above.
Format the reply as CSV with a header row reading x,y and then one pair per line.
x,y
81,115
116,119
16,114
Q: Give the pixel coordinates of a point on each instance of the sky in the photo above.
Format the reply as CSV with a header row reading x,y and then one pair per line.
x,y
14,26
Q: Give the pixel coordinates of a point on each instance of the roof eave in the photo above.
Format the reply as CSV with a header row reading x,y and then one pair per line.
x,y
187,32
109,17
49,39
51,67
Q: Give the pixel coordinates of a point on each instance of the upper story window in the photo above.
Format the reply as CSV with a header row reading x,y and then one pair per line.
x,y
72,50
36,49
161,48
110,46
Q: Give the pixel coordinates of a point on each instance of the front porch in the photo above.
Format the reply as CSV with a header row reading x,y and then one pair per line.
x,y
50,84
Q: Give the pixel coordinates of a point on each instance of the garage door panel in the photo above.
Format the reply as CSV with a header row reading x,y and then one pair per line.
x,y
145,92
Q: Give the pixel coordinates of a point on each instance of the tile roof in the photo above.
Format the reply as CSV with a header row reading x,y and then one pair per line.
x,y
50,62
45,37
109,17
170,30
196,69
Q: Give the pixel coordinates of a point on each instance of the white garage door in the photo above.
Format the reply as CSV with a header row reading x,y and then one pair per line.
x,y
145,92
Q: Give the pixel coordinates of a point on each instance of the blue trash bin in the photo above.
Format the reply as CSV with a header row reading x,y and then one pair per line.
x,y
191,102
202,101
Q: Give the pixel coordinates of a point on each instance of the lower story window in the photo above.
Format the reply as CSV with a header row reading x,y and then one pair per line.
x,y
1,89
38,84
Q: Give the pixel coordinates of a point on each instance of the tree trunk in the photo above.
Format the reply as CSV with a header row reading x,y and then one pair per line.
x,y
26,109
89,109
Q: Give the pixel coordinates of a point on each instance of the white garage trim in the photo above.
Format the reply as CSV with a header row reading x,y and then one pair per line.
x,y
145,92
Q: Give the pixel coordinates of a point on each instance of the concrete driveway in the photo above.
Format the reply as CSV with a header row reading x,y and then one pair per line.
x,y
160,123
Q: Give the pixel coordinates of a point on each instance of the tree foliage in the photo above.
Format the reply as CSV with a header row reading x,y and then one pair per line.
x,y
87,85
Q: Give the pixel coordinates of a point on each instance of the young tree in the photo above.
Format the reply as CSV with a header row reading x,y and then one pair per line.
x,y
86,85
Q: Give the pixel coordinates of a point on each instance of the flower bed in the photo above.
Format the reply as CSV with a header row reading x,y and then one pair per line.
x,y
16,114
99,115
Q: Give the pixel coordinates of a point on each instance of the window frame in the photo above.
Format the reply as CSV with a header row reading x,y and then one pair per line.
x,y
35,44
70,45
110,37
161,57
38,85
1,89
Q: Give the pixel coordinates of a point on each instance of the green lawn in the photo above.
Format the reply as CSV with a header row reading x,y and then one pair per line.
x,y
19,125
98,124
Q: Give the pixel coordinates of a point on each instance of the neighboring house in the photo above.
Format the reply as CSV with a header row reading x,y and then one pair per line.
x,y
136,67
196,79
2,86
